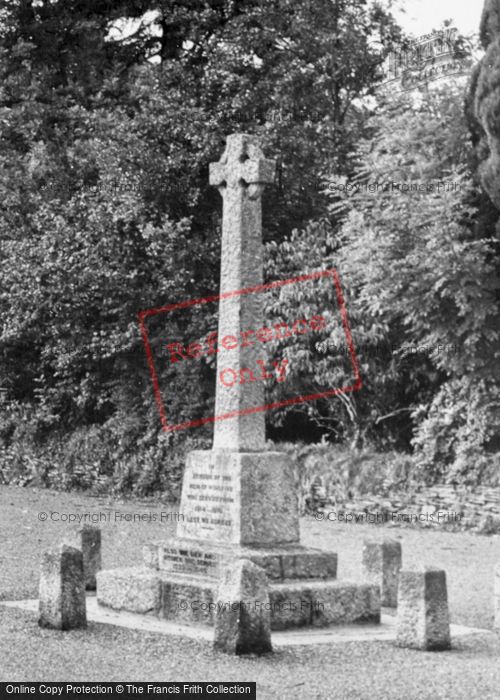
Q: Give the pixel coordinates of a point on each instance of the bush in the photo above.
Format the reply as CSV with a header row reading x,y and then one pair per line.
x,y
458,439
113,458
335,475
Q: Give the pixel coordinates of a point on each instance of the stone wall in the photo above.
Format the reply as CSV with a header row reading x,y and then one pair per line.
x,y
478,508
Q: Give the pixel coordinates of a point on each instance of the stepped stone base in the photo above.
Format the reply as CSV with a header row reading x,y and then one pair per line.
x,y
191,599
132,588
192,557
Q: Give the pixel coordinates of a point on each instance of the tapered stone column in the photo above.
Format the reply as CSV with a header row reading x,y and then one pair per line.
x,y
240,176
234,493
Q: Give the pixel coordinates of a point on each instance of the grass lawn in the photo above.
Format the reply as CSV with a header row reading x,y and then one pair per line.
x,y
354,670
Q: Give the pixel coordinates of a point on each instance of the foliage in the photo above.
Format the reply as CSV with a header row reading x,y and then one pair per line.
x,y
109,116
458,438
485,95
420,281
107,458
106,208
334,475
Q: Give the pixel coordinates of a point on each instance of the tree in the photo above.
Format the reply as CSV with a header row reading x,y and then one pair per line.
x,y
106,208
420,280
486,97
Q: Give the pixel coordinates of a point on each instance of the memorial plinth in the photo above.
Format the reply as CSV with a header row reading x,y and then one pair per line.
x,y
238,501
239,498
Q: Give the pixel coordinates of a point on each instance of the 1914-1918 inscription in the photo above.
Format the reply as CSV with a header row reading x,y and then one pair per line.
x,y
211,498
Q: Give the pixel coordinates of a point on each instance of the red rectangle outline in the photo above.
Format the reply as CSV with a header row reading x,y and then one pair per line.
x,y
143,315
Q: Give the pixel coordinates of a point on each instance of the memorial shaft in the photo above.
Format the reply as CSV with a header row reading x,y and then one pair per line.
x,y
240,176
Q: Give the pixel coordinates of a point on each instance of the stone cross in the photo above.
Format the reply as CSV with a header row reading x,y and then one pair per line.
x,y
232,493
237,545
240,176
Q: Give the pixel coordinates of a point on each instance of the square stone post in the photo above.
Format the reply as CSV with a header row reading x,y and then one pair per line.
x,y
90,543
381,565
62,589
496,597
423,619
243,618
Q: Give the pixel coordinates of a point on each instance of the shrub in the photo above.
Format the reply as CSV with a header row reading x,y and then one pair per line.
x,y
334,475
458,439
113,458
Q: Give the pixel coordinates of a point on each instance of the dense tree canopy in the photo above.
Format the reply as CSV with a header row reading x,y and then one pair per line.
x,y
422,287
110,113
486,99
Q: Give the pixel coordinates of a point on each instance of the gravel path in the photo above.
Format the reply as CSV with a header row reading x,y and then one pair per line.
x,y
354,670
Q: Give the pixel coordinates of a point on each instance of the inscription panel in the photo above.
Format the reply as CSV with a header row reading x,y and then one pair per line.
x,y
188,561
210,500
